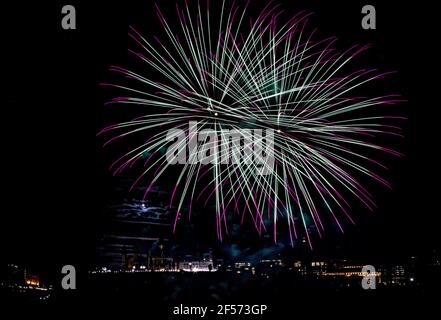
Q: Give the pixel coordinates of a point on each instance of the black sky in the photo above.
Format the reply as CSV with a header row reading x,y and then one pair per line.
x,y
55,177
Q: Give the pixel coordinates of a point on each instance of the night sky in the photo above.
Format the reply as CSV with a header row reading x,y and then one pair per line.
x,y
55,176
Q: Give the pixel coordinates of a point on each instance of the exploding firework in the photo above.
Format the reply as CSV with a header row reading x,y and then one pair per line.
x,y
219,73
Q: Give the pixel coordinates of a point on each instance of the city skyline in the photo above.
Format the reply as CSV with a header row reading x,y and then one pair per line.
x,y
62,205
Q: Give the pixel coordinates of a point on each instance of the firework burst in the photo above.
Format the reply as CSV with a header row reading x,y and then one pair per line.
x,y
232,73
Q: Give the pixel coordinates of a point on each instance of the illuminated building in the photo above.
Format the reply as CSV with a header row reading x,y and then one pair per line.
x,y
198,265
399,275
31,279
318,267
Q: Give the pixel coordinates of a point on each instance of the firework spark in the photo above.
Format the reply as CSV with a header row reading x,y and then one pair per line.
x,y
228,72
